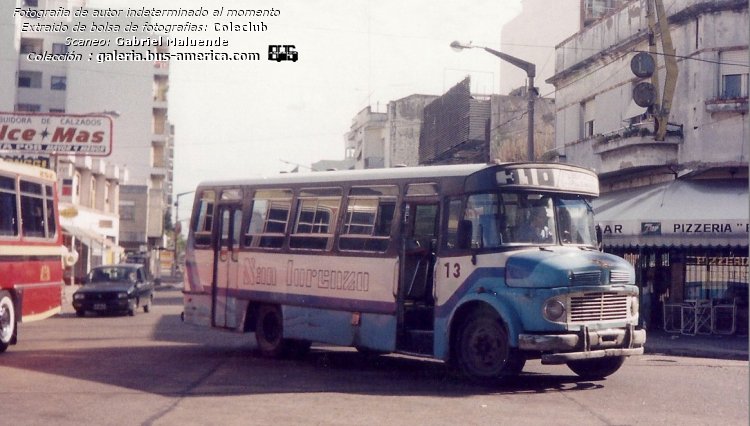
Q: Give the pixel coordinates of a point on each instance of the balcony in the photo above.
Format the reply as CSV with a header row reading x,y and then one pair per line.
x,y
627,149
738,105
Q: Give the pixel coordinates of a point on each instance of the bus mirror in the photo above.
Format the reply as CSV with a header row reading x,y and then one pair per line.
x,y
463,239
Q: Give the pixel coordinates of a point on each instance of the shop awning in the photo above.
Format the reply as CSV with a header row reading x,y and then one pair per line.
x,y
680,213
89,237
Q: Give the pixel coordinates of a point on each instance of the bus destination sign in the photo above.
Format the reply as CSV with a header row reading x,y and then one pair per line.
x,y
547,178
26,132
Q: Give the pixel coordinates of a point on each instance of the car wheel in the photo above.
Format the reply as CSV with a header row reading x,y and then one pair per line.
x,y
7,321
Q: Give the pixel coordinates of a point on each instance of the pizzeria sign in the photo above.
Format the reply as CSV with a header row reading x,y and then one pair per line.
x,y
72,134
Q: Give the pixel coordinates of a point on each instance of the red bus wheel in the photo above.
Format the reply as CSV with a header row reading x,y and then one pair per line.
x,y
7,320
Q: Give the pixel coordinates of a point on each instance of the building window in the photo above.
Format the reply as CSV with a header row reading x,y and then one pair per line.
x,y
733,74
31,45
58,83
588,129
587,119
28,107
31,3
57,110
31,79
127,210
59,48
732,86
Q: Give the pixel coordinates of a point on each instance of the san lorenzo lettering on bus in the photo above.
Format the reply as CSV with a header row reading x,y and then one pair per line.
x,y
25,132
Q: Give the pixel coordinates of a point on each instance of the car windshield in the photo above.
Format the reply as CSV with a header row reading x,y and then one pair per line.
x,y
114,274
499,219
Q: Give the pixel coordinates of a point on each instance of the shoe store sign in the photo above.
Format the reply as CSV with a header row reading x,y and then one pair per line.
x,y
71,134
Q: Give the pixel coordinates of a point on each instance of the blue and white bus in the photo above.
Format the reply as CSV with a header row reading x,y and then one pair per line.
x,y
482,266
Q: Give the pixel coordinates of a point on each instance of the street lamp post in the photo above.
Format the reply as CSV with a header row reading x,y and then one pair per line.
x,y
177,228
531,91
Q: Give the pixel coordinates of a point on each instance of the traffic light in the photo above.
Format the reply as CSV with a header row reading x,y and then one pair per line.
x,y
644,93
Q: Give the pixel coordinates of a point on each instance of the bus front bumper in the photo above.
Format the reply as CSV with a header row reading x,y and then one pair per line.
x,y
586,344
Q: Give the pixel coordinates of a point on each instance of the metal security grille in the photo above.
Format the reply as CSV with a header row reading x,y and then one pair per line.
x,y
589,307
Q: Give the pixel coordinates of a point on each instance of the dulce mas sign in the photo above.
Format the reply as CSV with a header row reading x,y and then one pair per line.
x,y
28,132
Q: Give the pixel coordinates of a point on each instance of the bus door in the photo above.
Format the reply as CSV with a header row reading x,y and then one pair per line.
x,y
227,265
417,260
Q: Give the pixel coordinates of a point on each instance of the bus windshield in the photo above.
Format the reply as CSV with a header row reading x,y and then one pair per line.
x,y
529,218
575,218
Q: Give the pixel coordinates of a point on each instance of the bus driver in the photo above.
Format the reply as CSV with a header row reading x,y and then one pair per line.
x,y
536,229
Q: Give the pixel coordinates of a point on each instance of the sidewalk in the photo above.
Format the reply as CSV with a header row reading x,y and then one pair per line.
x,y
701,346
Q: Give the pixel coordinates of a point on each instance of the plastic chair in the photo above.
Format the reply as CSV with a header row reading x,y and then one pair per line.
x,y
724,317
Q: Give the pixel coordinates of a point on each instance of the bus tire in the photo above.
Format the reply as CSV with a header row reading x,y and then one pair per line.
x,y
483,352
269,331
7,321
597,368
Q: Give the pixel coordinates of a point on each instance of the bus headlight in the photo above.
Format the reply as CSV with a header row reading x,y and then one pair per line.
x,y
553,310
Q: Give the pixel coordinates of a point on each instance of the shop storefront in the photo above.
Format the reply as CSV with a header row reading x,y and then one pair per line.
x,y
688,240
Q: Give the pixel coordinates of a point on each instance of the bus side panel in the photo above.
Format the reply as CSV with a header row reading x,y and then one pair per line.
x,y
325,282
199,265
197,309
37,284
459,282
372,331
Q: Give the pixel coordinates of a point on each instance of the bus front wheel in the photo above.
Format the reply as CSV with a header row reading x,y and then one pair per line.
x,y
597,368
483,352
7,321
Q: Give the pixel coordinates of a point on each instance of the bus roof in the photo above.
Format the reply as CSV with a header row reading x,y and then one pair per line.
x,y
394,173
564,178
27,170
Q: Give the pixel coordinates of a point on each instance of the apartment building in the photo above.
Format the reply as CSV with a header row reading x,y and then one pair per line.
x,y
675,194
133,93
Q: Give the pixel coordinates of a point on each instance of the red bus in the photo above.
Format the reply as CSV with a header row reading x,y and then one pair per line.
x,y
32,254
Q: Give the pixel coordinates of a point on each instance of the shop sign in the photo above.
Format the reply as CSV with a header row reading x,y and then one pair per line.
x,y
676,227
34,133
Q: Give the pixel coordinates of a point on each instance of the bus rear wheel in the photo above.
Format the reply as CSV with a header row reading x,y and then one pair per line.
x,y
269,332
597,368
7,321
483,352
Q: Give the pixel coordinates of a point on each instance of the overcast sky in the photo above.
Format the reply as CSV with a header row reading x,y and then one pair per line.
x,y
238,119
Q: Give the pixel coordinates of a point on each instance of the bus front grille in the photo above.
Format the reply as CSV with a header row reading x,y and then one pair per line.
x,y
606,306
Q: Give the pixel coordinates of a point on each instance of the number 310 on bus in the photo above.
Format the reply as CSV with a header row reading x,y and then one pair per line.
x,y
482,266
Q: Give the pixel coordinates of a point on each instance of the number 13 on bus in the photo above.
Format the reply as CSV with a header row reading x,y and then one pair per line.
x,y
482,266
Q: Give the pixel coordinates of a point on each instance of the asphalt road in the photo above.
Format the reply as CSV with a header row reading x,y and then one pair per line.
x,y
152,369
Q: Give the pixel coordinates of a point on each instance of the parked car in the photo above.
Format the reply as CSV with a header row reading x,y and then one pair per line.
x,y
122,288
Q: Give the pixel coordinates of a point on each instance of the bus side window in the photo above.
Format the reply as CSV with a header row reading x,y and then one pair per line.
x,y
454,217
269,219
32,210
203,218
50,205
316,223
8,207
368,219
